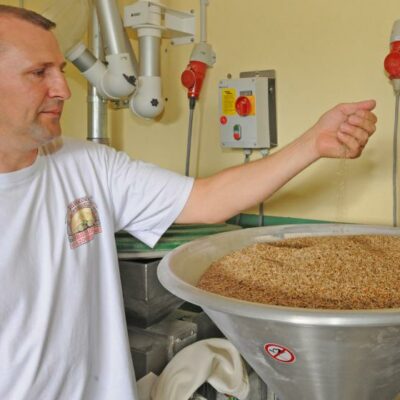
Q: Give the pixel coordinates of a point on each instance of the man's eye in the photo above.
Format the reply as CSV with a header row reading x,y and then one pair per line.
x,y
39,72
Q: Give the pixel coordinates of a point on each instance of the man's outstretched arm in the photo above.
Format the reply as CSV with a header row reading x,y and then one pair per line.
x,y
342,132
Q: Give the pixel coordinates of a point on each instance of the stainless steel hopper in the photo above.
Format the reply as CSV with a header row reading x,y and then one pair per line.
x,y
302,354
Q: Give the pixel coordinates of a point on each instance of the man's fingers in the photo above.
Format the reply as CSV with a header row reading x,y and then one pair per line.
x,y
366,124
360,135
352,108
356,130
353,146
370,116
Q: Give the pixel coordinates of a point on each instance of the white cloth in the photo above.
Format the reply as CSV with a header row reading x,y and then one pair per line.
x,y
215,361
145,385
63,333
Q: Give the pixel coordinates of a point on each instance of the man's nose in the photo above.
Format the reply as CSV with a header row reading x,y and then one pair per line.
x,y
58,87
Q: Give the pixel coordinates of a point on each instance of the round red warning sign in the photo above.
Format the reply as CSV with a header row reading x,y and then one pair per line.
x,y
280,353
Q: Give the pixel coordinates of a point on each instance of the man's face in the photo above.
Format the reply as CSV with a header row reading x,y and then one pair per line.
x,y
32,85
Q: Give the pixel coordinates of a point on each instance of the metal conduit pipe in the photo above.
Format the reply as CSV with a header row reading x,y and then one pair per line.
x,y
97,124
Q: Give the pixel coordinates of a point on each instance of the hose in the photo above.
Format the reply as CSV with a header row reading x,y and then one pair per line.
x,y
192,104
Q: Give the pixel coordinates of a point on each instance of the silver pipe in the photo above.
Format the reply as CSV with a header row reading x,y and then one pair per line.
x,y
149,51
85,61
113,33
97,125
115,38
131,53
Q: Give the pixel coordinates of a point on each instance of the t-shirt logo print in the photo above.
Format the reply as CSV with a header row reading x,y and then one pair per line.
x,y
82,221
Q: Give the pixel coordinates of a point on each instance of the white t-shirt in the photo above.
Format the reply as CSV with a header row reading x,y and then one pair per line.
x,y
62,326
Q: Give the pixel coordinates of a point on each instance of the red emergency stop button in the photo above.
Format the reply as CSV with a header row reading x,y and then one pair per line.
x,y
188,78
243,106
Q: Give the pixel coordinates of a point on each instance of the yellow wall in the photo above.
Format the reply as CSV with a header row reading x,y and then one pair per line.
x,y
323,51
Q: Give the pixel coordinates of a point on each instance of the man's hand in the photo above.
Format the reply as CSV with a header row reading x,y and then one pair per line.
x,y
343,131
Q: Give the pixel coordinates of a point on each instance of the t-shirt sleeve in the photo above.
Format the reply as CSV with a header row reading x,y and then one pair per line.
x,y
146,199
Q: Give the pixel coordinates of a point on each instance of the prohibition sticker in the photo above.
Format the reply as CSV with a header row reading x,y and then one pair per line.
x,y
280,353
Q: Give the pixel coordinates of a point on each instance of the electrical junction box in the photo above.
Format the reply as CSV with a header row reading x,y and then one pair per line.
x,y
247,108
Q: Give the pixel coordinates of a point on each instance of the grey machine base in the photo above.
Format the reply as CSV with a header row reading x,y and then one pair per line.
x,y
160,325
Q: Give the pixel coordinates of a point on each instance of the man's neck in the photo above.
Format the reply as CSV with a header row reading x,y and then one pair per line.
x,y
10,162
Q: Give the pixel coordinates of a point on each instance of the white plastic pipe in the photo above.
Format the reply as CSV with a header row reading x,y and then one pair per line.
x,y
113,81
147,101
203,20
395,34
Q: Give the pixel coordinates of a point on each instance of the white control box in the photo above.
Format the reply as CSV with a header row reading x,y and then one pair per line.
x,y
247,108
